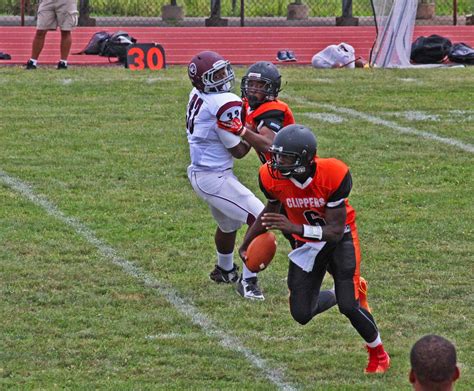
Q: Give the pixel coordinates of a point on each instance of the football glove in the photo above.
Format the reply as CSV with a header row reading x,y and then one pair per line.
x,y
233,126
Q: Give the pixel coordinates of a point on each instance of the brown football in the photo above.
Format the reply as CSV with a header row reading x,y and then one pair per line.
x,y
261,251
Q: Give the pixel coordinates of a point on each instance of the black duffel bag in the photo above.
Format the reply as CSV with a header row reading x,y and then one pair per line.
x,y
461,53
430,50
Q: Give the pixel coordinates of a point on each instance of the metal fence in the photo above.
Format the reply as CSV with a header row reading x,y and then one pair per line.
x,y
235,12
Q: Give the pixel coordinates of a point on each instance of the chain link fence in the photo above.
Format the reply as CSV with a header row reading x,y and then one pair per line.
x,y
235,12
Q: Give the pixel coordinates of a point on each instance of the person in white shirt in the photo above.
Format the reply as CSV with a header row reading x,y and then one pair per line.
x,y
211,109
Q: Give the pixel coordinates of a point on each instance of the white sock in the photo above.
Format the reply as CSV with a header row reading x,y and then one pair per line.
x,y
64,61
225,261
33,61
247,273
376,342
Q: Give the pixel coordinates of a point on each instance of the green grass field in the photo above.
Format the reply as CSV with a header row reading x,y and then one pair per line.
x,y
105,250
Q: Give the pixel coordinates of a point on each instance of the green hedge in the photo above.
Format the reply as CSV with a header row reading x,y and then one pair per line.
x,y
253,8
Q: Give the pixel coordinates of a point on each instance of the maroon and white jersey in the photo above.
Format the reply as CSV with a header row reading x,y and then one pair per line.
x,y
208,144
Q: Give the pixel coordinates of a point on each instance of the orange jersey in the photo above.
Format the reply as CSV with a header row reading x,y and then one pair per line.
x,y
307,203
273,114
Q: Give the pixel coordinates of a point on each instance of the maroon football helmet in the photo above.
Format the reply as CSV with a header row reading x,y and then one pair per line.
x,y
211,73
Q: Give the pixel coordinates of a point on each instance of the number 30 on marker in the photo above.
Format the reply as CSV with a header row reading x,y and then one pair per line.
x,y
145,56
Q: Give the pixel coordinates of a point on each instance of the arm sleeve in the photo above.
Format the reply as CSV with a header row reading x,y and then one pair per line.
x,y
226,112
229,110
272,119
337,198
229,140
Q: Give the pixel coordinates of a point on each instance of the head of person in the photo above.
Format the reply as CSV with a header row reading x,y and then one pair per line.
x,y
210,73
433,364
293,151
261,83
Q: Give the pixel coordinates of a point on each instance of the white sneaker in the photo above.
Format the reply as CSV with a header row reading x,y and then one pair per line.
x,y
249,289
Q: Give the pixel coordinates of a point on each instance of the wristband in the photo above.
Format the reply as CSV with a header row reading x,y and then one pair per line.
x,y
243,131
312,231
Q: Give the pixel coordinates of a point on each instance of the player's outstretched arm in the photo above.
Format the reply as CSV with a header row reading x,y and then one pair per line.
x,y
233,126
261,141
240,150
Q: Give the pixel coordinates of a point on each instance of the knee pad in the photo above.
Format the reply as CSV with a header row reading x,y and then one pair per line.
x,y
302,317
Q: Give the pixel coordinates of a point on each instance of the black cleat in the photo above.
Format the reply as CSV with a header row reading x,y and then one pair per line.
x,y
220,275
62,65
30,65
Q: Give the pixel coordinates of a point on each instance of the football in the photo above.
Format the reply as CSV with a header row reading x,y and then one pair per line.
x,y
261,251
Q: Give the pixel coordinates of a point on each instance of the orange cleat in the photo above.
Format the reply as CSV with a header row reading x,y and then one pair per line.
x,y
379,360
363,286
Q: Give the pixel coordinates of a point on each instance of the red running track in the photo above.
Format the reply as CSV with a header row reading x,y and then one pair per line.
x,y
241,45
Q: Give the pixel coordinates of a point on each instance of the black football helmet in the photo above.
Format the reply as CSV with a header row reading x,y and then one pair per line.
x,y
293,150
262,71
202,71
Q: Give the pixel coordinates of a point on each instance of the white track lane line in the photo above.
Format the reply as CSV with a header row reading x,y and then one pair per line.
x,y
389,124
180,304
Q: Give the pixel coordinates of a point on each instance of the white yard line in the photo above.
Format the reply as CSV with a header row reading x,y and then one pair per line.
x,y
180,304
326,117
389,124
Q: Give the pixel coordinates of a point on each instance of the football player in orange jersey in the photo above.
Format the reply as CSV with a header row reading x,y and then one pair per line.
x,y
314,193
263,115
262,111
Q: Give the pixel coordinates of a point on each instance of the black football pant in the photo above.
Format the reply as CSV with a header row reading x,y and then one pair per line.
x,y
306,300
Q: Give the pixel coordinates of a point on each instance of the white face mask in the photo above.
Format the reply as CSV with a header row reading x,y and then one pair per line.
x,y
224,83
